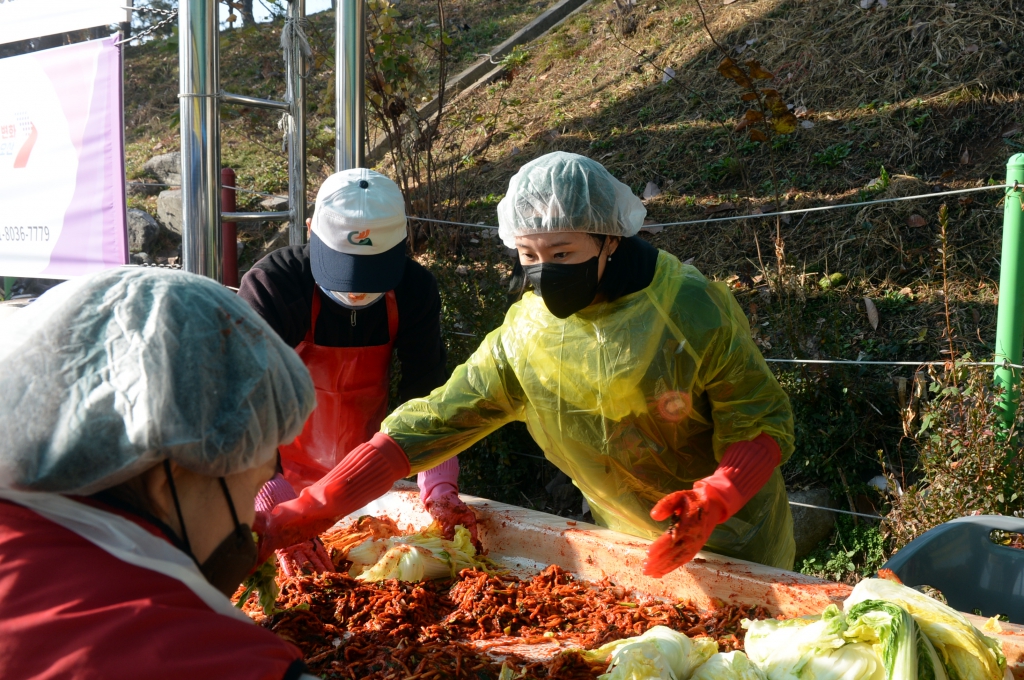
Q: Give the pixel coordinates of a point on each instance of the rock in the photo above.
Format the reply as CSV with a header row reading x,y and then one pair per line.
x,y
142,230
165,167
275,203
278,239
141,258
169,210
140,188
810,527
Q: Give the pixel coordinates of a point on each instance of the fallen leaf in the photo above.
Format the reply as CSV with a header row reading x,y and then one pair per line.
x,y
1010,130
866,4
515,151
543,77
970,49
947,174
758,136
916,221
651,190
688,260
668,75
872,311
976,316
806,124
919,28
552,135
965,157
752,307
883,3
800,111
729,2
965,201
595,104
720,208
749,97
907,292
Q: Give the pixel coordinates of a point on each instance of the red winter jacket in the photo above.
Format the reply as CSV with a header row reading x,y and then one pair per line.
x,y
71,610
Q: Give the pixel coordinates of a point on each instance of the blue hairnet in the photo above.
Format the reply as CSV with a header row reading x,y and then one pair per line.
x,y
563,191
107,375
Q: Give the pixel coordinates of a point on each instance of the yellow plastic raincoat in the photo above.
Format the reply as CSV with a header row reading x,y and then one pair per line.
x,y
632,399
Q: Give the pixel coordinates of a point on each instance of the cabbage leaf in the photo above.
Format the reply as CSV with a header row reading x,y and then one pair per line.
x,y
728,666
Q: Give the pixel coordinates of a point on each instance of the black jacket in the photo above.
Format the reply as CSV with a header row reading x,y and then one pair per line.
x,y
280,288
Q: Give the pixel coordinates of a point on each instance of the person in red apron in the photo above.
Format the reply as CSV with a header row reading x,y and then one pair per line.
x,y
347,302
129,464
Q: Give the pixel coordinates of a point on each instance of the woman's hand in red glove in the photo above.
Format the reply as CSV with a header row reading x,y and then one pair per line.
x,y
310,557
745,468
696,517
447,508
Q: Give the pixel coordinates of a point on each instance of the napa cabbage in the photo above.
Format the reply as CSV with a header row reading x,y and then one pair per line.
x,y
810,648
905,650
425,555
966,653
659,654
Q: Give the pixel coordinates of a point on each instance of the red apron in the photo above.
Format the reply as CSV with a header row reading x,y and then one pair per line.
x,y
352,387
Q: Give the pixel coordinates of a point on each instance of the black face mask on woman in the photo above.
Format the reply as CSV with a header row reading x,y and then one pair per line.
x,y
565,288
233,559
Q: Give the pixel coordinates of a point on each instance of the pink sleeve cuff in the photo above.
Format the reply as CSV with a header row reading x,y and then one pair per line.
x,y
277,490
439,480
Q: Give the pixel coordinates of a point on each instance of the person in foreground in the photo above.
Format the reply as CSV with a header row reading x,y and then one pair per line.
x,y
143,413
345,302
635,375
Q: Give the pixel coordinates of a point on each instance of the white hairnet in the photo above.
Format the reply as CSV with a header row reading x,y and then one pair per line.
x,y
567,192
106,375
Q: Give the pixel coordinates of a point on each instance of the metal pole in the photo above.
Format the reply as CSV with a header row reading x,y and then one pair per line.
x,y
1010,319
349,69
198,64
229,231
297,132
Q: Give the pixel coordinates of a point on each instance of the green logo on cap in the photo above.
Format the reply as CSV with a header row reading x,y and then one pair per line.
x,y
360,238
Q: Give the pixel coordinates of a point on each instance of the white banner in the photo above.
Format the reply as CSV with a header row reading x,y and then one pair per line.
x,y
24,19
62,209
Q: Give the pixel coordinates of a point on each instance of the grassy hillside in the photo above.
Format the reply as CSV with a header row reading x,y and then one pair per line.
x,y
908,98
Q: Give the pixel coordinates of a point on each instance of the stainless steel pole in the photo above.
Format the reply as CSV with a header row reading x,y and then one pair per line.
x,y
199,64
349,68
297,131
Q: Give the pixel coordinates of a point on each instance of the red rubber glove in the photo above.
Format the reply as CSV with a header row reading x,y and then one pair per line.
x,y
310,556
365,474
745,468
439,491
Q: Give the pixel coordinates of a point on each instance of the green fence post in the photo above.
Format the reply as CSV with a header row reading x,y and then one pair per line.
x,y
1010,320
8,284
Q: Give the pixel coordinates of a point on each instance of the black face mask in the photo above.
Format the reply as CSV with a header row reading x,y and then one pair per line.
x,y
566,288
232,560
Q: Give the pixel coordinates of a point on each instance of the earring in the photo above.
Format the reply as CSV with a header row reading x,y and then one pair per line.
x,y
609,259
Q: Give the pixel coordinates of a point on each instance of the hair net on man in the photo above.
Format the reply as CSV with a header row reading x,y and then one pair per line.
x,y
107,375
567,192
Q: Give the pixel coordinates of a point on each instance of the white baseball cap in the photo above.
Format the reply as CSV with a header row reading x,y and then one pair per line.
x,y
358,230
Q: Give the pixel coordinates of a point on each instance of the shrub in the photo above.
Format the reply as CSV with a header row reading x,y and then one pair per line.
x,y
968,462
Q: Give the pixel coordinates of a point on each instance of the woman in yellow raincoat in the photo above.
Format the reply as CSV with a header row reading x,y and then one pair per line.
x,y
635,375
